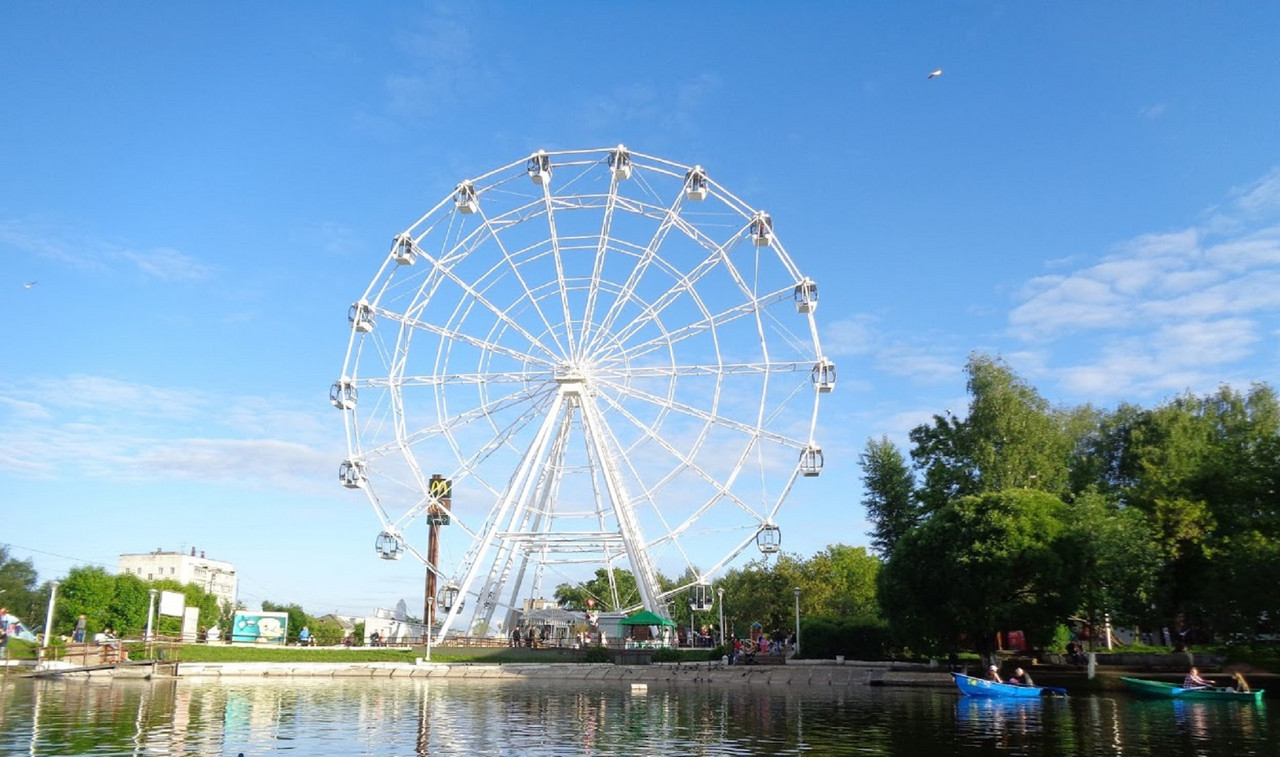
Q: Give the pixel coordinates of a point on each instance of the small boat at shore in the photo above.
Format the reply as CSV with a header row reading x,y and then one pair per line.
x,y
1162,690
980,687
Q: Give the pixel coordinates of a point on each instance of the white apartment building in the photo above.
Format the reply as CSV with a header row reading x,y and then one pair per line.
x,y
214,576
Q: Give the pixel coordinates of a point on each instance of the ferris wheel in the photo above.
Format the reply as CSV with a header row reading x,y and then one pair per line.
x,y
583,359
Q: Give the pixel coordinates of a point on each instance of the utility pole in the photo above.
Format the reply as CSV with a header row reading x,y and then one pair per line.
x,y
441,491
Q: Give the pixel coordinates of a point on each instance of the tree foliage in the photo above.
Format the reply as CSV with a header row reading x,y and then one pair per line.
x,y
890,498
18,589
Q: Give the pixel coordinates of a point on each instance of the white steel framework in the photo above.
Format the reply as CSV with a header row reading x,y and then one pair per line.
x,y
611,357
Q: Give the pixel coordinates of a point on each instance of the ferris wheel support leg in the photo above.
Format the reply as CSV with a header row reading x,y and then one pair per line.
x,y
514,497
632,538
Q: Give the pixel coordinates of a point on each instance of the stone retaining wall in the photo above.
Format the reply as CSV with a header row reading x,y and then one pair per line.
x,y
777,675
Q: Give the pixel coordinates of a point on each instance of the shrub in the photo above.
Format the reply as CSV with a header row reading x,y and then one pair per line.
x,y
596,654
857,639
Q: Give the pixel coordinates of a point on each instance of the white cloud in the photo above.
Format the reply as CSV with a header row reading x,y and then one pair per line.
x,y
103,428
1163,312
167,264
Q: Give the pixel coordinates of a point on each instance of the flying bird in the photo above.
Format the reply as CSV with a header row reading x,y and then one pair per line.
x,y
938,72
29,284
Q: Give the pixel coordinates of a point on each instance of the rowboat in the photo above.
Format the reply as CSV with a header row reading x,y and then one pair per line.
x,y
980,687
1162,690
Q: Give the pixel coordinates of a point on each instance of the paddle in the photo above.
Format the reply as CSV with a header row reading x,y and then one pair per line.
x,y
1058,690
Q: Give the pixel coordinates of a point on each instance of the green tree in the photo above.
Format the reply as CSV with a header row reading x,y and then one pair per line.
x,y
86,590
297,617
1117,558
889,496
611,591
18,589
980,565
840,581
1011,438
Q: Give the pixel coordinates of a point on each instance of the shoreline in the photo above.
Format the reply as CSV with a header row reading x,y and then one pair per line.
x,y
809,674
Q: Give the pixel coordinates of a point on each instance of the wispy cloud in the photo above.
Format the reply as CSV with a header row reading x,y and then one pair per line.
x,y
86,252
103,428
443,69
1165,312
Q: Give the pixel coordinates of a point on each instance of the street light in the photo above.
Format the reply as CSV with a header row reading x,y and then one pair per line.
x,y
151,610
796,591
48,618
720,593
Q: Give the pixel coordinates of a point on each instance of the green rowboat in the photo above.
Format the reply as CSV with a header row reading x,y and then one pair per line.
x,y
1143,687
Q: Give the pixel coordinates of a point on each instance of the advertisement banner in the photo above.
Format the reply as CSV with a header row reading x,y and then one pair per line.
x,y
260,627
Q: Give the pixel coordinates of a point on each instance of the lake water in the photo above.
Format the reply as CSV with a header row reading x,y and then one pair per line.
x,y
476,717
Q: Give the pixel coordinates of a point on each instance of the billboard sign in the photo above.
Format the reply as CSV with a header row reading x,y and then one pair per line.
x,y
260,627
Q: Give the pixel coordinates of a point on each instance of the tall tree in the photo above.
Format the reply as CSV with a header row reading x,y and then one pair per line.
x,y
18,589
889,494
980,565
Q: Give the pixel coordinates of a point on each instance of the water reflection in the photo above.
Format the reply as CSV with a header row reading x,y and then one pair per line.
x,y
479,717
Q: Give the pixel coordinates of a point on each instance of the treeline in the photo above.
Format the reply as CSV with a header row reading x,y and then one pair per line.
x,y
1019,515
119,603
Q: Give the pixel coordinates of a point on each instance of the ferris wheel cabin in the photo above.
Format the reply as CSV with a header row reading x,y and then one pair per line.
x,y
360,316
620,163
824,375
811,460
700,597
342,394
806,296
761,230
769,539
465,198
540,168
695,184
389,546
404,252
351,474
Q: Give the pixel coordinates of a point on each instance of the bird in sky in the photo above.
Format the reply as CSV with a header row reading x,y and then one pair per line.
x,y
29,284
937,72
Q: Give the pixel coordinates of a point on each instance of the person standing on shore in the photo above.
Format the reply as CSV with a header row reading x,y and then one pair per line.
x,y
78,635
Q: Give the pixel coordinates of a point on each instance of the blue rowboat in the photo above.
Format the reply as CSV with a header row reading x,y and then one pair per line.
x,y
979,687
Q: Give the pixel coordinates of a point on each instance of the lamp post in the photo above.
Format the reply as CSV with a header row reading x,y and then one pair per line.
x,y
720,594
48,617
796,591
151,611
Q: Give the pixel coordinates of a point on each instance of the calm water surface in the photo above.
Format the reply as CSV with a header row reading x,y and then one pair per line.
x,y
469,717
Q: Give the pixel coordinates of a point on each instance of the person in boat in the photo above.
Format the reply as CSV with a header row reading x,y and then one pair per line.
x,y
993,674
1194,681
1021,678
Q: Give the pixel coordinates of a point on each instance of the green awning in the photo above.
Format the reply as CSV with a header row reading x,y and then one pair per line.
x,y
646,618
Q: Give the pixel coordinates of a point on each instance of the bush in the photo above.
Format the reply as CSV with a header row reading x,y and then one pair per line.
x,y
856,639
596,654
667,655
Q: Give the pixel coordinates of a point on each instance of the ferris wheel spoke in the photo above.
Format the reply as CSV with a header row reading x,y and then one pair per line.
x,y
634,277
597,272
721,491
461,419
528,293
499,313
558,258
482,344
706,416
676,371
712,321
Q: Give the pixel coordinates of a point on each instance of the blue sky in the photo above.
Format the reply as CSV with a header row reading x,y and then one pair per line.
x,y
1090,190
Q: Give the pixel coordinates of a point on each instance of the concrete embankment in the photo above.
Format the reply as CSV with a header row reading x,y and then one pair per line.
x,y
764,675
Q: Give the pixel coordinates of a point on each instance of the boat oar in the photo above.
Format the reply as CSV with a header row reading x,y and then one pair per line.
x,y
1055,690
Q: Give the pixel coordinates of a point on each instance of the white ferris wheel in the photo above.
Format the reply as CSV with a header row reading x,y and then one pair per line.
x,y
583,359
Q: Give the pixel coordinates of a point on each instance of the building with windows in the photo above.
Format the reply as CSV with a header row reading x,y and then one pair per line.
x,y
214,576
